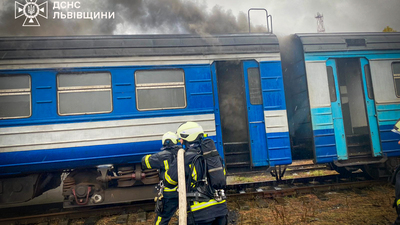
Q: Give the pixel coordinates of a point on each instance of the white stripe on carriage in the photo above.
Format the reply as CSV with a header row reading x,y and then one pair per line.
x,y
52,136
132,61
276,121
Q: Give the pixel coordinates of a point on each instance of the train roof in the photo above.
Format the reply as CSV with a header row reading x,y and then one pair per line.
x,y
135,45
328,42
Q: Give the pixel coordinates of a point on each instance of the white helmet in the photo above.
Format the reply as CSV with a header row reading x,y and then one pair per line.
x,y
168,138
190,131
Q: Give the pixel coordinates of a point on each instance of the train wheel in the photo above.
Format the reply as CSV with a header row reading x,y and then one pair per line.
x,y
391,164
372,170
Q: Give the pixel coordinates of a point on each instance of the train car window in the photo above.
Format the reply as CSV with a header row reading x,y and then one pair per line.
x,y
15,96
396,77
160,89
84,93
369,82
254,86
331,83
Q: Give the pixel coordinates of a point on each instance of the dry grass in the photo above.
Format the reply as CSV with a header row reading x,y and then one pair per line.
x,y
260,176
370,206
367,206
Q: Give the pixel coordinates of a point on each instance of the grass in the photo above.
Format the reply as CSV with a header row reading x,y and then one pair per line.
x,y
244,179
370,206
319,173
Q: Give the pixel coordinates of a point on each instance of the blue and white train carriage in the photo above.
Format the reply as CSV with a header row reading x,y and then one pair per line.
x,y
74,103
343,93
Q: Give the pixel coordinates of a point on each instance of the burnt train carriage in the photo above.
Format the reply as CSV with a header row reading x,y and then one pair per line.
x,y
343,95
74,103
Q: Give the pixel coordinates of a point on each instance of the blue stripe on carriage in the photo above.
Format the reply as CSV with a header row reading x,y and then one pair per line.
x,y
382,54
388,114
324,135
273,93
389,141
278,149
322,118
325,146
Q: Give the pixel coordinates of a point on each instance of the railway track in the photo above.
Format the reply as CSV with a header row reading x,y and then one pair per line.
x,y
265,189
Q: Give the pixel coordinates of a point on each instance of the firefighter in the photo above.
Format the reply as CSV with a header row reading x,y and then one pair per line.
x,y
396,179
396,204
167,199
206,205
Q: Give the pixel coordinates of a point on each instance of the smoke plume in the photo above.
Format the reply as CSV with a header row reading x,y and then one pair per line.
x,y
131,17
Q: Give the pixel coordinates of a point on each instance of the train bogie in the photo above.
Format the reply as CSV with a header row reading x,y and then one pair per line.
x,y
106,184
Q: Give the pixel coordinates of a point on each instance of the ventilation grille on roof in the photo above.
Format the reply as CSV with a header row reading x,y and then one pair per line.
x,y
355,42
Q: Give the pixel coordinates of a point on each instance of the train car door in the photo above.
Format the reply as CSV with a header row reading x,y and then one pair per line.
x,y
240,121
356,107
255,112
371,110
337,115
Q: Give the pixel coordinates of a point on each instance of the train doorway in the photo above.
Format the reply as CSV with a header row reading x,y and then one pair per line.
x,y
234,120
353,112
353,107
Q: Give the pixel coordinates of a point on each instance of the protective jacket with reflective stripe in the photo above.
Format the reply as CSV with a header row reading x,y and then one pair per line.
x,y
201,211
162,161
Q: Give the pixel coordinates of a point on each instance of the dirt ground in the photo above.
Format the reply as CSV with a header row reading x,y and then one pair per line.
x,y
372,205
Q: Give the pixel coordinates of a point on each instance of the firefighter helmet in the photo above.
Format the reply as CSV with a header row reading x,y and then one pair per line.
x,y
190,131
169,138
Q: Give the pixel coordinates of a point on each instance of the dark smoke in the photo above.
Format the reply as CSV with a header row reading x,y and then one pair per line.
x,y
131,17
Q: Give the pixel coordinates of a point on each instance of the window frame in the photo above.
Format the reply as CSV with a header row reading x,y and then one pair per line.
x,y
368,80
25,91
394,79
331,85
160,86
80,89
260,88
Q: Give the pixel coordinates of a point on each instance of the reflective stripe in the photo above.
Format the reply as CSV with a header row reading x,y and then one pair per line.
x,y
206,153
170,190
158,220
201,205
194,173
166,165
147,161
215,169
398,202
169,180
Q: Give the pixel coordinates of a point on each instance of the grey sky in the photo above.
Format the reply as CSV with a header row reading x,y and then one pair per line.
x,y
295,16
208,16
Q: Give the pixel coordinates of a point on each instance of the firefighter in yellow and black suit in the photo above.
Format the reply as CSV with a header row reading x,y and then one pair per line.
x,y
396,180
167,199
204,208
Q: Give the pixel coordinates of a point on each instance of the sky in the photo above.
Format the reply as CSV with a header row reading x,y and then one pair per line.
x,y
198,16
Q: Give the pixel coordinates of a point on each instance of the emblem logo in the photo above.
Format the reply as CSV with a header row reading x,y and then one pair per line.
x,y
31,10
